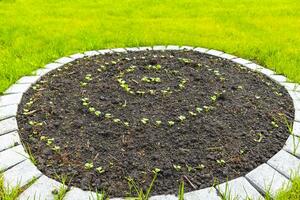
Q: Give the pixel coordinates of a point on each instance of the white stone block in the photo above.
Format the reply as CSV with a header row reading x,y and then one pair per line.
x,y
296,128
8,111
206,193
42,72
21,174
78,194
285,163
9,140
64,60
28,79
91,53
214,52
145,48
18,88
172,47
105,51
227,56
8,125
119,50
133,49
77,56
201,50
242,61
163,197
42,189
291,86
10,99
278,78
239,189
53,66
187,48
159,48
267,179
266,71
292,145
11,157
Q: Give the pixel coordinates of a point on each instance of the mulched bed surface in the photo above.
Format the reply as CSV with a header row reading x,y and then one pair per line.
x,y
239,126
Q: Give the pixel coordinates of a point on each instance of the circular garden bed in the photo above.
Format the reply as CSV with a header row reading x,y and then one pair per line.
x,y
109,120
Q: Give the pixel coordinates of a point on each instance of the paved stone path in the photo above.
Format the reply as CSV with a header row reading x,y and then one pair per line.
x,y
19,170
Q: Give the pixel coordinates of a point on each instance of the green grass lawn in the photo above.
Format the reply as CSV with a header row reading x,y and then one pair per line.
x,y
35,32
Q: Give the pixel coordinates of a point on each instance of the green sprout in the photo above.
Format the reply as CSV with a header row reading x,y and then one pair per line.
x,y
198,109
200,167
97,113
274,124
171,123
177,167
92,109
261,136
213,98
56,148
221,162
89,166
182,118
156,170
100,170
192,113
144,120
50,141
88,77
158,122
108,115
116,120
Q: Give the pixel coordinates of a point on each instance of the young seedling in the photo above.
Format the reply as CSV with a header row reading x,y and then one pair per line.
x,y
182,118
261,136
192,113
108,115
274,124
89,166
97,113
100,170
200,167
116,120
50,141
56,148
177,167
144,120
88,77
221,162
198,109
92,109
171,123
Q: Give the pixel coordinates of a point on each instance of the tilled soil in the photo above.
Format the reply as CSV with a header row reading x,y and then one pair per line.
x,y
104,120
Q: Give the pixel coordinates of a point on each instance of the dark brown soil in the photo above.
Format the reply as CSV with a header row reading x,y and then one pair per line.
x,y
197,118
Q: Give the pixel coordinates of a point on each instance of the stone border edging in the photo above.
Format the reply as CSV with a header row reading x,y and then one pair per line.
x,y
19,170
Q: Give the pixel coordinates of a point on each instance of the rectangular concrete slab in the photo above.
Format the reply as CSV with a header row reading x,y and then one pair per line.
x,y
53,65
159,48
227,56
11,157
297,115
17,88
285,163
296,128
206,193
133,49
201,50
164,197
266,71
294,94
21,174
186,48
9,140
214,52
104,51
91,53
8,125
28,79
239,189
252,66
42,189
119,50
8,111
10,99
77,55
78,194
292,145
266,179
173,47
241,61
145,48
278,78
42,72
291,86
64,60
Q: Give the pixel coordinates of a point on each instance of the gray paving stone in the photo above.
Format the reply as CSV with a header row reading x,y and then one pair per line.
x,y
278,78
164,197
266,71
105,51
201,50
42,72
292,145
296,128
173,47
9,140
78,194
239,189
297,115
133,49
64,60
8,125
296,104
252,66
214,52
8,111
91,53
159,48
291,86
10,99
294,94
241,61
119,50
285,163
41,189
227,56
11,157
53,66
267,179
28,79
77,56
187,48
206,193
21,174
17,88
145,48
